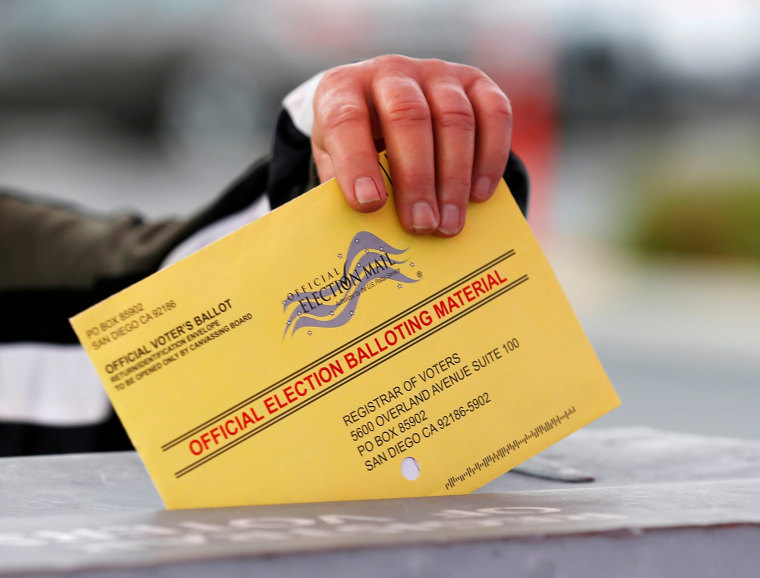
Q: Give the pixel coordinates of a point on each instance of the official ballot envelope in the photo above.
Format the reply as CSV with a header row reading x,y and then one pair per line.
x,y
322,354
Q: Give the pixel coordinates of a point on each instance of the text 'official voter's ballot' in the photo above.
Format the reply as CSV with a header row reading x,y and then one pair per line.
x,y
322,354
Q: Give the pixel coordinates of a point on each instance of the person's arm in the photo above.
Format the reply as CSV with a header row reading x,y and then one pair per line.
x,y
56,260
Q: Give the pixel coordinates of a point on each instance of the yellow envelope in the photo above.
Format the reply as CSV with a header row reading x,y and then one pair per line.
x,y
322,354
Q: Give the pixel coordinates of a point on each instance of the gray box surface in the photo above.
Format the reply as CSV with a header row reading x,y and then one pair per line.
x,y
621,502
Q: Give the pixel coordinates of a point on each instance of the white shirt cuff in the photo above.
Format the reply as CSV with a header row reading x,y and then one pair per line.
x,y
300,104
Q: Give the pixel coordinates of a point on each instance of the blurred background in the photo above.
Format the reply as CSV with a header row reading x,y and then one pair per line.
x,y
639,123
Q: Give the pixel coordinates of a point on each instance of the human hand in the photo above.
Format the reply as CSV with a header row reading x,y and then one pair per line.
x,y
447,129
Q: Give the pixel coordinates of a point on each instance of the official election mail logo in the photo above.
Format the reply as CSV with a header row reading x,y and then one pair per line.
x,y
333,297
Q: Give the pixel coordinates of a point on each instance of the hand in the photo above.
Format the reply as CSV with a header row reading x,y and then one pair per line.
x,y
447,128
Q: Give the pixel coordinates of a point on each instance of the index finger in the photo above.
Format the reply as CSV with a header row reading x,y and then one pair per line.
x,y
343,144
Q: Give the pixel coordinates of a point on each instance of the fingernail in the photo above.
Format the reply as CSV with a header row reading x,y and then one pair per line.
x,y
482,189
423,217
366,191
450,220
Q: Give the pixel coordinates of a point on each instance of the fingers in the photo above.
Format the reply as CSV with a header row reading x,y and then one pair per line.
x,y
447,129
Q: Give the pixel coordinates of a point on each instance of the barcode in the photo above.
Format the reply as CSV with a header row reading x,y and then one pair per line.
x,y
511,446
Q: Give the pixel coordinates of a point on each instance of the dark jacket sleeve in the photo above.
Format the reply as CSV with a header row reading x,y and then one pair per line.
x,y
56,260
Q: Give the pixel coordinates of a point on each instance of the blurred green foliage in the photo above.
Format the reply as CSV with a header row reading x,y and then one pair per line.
x,y
716,220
